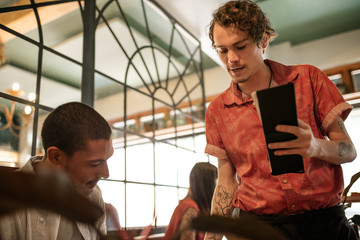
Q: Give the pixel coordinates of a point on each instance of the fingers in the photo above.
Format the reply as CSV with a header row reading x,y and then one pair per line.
x,y
301,145
289,152
292,129
281,145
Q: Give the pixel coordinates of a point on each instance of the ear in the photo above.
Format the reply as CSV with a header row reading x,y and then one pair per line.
x,y
265,41
56,157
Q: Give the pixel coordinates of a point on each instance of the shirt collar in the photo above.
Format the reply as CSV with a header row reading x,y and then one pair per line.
x,y
281,75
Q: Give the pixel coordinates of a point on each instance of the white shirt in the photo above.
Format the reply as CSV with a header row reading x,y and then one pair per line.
x,y
29,224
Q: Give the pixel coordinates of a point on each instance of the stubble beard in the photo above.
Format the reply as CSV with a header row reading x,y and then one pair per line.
x,y
242,81
236,79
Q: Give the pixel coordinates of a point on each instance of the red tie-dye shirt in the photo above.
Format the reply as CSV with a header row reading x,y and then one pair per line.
x,y
234,131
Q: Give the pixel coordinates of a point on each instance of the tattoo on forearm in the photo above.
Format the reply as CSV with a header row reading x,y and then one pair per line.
x,y
223,201
344,149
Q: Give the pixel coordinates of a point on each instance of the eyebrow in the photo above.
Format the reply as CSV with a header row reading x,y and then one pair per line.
x,y
236,43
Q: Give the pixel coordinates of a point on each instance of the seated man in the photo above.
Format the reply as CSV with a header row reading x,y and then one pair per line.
x,y
77,141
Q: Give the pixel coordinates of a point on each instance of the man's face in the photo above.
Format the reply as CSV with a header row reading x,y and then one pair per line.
x,y
240,55
87,166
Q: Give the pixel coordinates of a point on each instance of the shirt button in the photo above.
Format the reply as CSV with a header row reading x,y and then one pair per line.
x,y
293,205
285,181
41,219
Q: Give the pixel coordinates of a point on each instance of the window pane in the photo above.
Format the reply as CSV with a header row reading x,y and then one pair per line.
x,y
356,79
137,102
139,205
109,97
64,33
116,164
186,163
15,133
139,163
186,142
183,192
337,80
166,202
349,169
200,143
114,193
165,162
14,77
62,76
353,128
39,147
15,20
213,160
199,157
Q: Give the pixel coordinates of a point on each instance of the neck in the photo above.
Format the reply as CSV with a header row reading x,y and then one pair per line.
x,y
43,164
261,80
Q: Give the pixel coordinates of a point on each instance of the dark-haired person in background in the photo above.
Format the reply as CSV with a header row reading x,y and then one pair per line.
x,y
203,177
77,141
301,205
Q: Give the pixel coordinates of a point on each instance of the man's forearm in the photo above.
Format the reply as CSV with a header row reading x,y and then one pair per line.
x,y
336,152
222,206
337,149
222,201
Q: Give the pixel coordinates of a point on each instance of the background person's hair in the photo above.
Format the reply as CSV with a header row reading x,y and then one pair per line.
x,y
202,185
71,125
244,15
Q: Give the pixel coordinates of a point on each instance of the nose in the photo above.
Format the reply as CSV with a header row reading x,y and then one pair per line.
x,y
104,171
232,56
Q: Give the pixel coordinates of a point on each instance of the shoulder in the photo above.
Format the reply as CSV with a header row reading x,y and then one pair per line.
x,y
219,100
291,67
284,74
189,203
29,165
190,213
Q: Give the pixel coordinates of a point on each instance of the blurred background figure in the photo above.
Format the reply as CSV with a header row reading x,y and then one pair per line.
x,y
203,178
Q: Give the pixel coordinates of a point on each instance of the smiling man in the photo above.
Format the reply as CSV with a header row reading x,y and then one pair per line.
x,y
77,140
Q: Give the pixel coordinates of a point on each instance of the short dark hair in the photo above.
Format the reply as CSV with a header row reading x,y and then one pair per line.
x,y
244,15
202,185
71,125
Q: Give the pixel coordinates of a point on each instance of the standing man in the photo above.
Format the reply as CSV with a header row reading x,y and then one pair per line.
x,y
77,140
301,205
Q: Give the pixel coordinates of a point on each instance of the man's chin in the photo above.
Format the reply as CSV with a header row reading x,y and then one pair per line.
x,y
88,190
239,80
85,190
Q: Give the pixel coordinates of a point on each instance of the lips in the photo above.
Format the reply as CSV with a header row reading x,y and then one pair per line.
x,y
236,70
236,67
92,184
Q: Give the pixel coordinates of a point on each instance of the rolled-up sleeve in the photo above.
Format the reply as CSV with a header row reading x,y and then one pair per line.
x,y
329,102
214,143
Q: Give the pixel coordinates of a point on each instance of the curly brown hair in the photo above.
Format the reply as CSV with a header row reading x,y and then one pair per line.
x,y
244,15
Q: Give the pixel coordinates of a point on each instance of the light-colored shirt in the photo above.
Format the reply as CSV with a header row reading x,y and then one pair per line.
x,y
68,230
234,131
30,224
